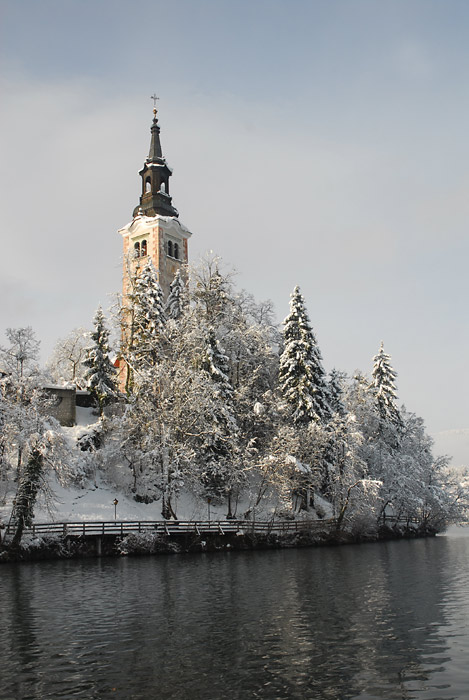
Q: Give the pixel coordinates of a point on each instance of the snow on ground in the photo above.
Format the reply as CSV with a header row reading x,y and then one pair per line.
x,y
75,505
322,506
95,502
92,503
85,416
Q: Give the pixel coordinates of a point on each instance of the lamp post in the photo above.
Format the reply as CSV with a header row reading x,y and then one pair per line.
x,y
115,501
209,500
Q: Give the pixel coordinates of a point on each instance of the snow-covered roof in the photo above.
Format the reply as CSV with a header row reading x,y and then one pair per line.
x,y
143,222
164,164
57,387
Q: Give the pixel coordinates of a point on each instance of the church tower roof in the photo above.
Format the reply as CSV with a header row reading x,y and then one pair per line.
x,y
155,155
155,198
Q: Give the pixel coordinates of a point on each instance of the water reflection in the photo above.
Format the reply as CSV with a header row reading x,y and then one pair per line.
x,y
370,621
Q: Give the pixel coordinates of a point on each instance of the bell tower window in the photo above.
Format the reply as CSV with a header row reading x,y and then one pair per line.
x,y
143,249
136,250
148,185
176,251
170,248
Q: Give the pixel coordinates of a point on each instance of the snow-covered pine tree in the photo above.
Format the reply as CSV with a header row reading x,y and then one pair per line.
x,y
334,448
215,363
149,316
28,487
301,374
218,444
212,291
336,392
176,298
101,374
384,387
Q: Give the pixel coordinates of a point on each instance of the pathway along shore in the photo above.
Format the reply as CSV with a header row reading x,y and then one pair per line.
x,y
121,538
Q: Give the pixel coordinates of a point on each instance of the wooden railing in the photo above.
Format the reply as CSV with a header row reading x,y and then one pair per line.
x,y
176,527
99,528
398,519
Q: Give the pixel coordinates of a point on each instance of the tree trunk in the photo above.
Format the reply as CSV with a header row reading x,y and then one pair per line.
x,y
15,543
343,510
229,515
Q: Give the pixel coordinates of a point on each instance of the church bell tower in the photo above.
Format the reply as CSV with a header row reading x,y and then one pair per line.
x,y
155,231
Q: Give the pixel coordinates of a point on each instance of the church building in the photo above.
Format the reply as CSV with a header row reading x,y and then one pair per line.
x,y
155,231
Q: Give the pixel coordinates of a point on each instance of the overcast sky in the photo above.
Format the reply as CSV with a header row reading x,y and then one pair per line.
x,y
319,143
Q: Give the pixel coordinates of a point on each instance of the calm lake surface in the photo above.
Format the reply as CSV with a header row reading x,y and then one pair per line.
x,y
386,620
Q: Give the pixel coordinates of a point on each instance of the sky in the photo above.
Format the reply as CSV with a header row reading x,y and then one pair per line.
x,y
321,143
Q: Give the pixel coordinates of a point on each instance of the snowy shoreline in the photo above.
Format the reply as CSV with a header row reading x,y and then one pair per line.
x,y
55,547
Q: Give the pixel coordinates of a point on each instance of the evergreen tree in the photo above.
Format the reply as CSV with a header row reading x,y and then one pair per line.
x,y
215,363
101,374
384,387
218,444
175,303
336,392
212,291
334,449
28,487
301,374
149,317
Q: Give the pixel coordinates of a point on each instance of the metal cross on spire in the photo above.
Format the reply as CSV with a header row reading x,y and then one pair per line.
x,y
154,98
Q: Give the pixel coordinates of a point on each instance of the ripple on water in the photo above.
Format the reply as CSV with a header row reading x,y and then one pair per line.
x,y
361,622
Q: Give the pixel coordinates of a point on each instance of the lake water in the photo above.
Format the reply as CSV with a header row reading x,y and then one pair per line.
x,y
386,620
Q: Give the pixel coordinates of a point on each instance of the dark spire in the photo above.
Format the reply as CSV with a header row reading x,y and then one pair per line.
x,y
155,145
155,174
